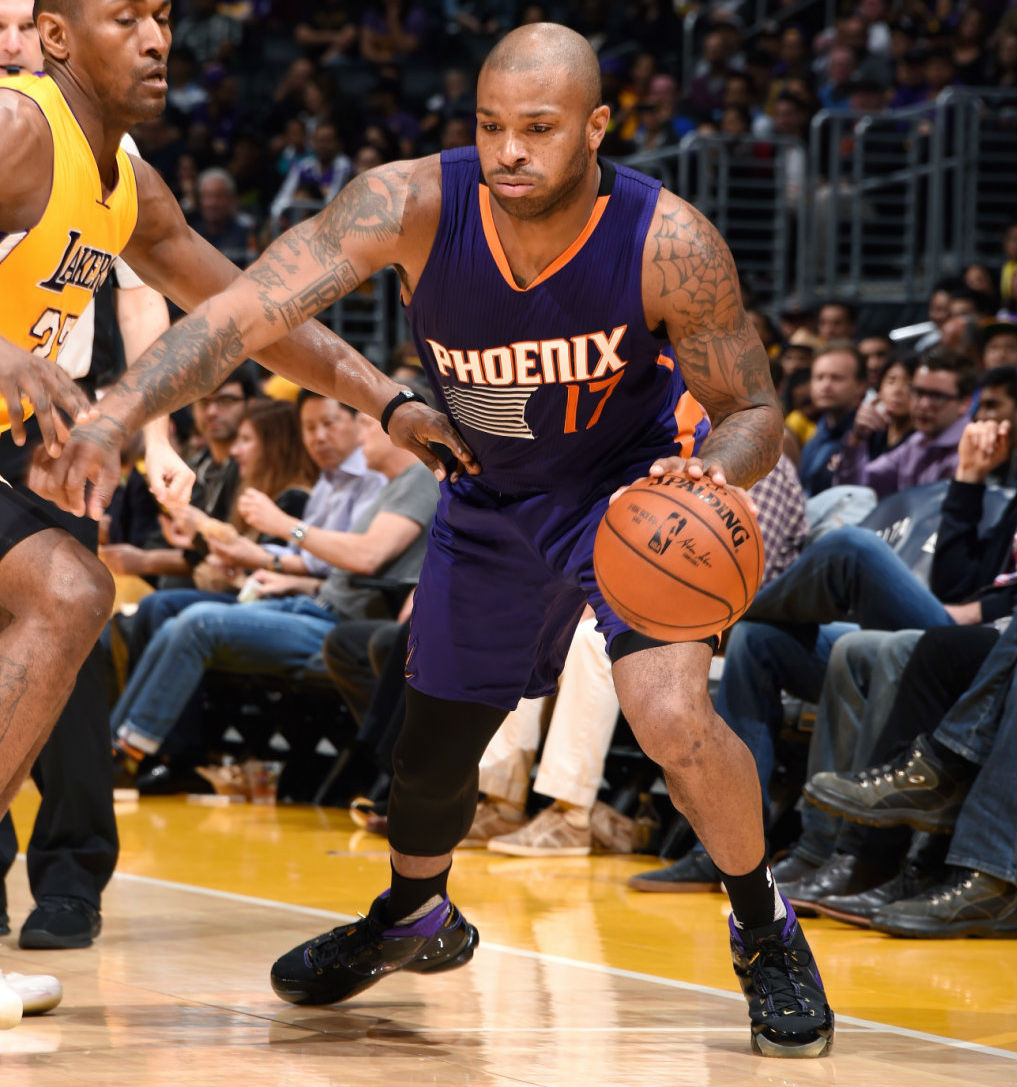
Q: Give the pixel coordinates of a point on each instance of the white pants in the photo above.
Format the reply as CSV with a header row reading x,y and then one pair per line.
x,y
578,737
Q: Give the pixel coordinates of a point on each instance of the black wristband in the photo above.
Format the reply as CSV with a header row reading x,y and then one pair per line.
x,y
404,396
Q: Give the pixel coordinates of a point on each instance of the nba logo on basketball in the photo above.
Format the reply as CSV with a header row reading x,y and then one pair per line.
x,y
662,539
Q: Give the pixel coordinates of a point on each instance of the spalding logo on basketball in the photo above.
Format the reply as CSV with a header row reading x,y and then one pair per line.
x,y
678,559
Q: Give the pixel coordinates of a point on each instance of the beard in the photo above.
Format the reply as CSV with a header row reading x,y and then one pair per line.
x,y
543,206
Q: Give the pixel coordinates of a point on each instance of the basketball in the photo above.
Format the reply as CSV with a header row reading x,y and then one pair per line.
x,y
678,559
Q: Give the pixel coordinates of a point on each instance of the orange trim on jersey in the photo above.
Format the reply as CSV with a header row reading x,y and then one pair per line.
x,y
688,414
498,251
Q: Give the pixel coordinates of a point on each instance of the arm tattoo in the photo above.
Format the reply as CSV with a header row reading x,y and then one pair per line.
x,y
720,355
319,295
185,363
369,207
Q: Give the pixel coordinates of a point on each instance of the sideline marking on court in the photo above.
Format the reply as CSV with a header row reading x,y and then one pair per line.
x,y
601,968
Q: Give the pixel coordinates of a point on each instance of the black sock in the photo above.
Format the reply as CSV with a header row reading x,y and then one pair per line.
x,y
754,898
954,763
409,895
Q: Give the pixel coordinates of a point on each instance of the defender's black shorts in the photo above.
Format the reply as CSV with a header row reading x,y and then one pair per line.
x,y
21,515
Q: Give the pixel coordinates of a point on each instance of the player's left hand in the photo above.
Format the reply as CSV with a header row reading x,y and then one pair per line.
x,y
91,455
695,468
415,427
170,478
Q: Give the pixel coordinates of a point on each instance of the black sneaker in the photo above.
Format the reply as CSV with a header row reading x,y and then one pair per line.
x,y
59,923
693,872
787,1003
341,963
915,790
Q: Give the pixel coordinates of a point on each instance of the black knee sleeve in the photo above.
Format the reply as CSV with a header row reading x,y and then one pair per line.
x,y
434,787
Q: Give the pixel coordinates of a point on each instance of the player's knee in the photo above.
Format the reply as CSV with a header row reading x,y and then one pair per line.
x,y
79,591
681,729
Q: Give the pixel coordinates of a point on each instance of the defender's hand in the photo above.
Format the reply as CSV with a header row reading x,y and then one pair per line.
x,y
91,455
25,377
170,478
413,426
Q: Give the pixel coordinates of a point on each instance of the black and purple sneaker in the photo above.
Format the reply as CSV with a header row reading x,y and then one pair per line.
x,y
341,963
787,1003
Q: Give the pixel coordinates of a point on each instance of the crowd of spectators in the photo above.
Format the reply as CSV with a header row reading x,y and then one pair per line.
x,y
274,106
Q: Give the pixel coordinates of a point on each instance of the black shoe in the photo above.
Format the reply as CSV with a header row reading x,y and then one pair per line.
x,y
860,908
841,874
915,790
693,872
788,1010
792,869
58,922
5,923
167,780
345,961
970,904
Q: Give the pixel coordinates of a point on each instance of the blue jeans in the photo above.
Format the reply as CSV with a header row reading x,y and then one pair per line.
x,y
272,636
850,574
784,642
862,677
156,608
760,661
982,727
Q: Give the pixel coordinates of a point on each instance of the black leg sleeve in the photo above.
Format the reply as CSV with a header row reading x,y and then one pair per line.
x,y
434,789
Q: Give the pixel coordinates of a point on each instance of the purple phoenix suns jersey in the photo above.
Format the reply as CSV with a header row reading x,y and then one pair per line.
x,y
556,384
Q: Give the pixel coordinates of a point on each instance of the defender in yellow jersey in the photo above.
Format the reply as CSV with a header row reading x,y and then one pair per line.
x,y
70,201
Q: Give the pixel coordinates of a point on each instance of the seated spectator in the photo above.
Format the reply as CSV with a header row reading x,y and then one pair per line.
x,y
956,709
940,396
999,344
343,491
209,37
800,420
392,31
978,277
836,389
836,321
326,32
279,636
884,421
218,221
319,175
1008,274
875,350
268,454
216,419
997,403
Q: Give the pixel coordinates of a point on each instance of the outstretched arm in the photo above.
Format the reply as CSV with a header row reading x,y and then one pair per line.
x,y
690,283
381,218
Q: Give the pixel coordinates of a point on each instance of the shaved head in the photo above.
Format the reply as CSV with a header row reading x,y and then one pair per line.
x,y
546,47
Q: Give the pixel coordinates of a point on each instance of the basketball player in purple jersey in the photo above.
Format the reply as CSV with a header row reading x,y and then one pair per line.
x,y
562,308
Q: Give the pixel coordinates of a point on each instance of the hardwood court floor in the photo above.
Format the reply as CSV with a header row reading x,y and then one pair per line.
x,y
576,981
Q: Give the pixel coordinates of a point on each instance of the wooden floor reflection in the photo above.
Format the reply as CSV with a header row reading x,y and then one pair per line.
x,y
577,981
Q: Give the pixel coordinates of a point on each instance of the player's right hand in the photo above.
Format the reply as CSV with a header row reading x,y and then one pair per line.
x,y
25,377
91,456
416,427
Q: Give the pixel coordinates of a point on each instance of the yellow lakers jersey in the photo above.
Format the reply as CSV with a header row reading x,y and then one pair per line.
x,y
48,274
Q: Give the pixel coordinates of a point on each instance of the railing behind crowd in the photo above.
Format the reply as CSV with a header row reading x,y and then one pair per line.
x,y
875,207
